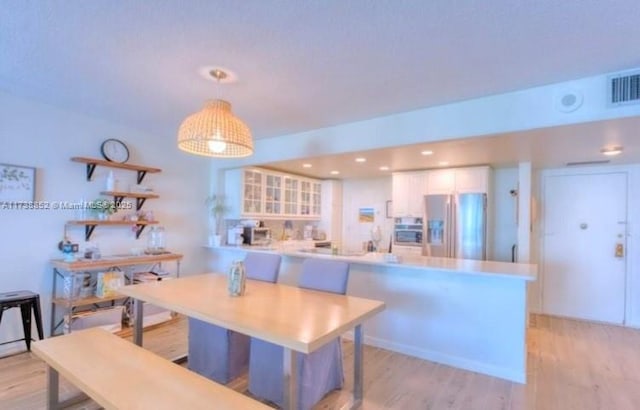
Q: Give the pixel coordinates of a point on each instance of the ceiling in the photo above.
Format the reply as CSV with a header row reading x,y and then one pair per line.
x,y
303,65
544,148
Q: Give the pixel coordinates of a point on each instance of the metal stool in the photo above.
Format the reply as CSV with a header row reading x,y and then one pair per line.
x,y
26,301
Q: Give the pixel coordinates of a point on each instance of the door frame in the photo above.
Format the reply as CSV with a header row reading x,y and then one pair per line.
x,y
629,319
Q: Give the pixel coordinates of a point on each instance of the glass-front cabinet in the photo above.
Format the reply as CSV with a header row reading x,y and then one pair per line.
x,y
273,194
316,198
252,203
291,195
262,193
310,197
305,197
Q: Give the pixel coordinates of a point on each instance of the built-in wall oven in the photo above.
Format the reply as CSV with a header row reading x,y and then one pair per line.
x,y
408,232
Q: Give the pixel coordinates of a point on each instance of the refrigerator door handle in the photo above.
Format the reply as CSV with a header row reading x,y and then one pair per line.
x,y
450,228
447,227
484,231
454,236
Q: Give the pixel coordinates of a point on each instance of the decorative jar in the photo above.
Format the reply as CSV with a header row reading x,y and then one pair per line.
x,y
236,280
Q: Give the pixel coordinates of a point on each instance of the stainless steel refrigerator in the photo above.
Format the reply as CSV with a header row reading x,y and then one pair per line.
x,y
456,226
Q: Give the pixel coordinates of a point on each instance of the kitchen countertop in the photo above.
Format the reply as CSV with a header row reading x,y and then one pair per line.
x,y
524,271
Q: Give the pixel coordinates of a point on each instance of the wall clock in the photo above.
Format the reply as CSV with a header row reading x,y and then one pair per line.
x,y
114,150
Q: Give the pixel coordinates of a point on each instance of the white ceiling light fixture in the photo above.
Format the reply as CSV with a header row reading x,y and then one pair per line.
x,y
306,165
611,151
384,168
214,131
427,152
335,172
443,163
361,159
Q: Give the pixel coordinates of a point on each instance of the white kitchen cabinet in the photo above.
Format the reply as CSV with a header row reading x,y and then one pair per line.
x,y
399,192
316,199
331,214
252,187
458,180
306,191
244,193
441,181
265,194
408,191
472,180
273,194
291,196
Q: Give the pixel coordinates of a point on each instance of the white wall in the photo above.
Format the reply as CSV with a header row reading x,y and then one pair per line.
x,y
42,136
509,112
504,227
365,193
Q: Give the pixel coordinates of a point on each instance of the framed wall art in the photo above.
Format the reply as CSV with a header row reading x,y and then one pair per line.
x,y
17,183
365,215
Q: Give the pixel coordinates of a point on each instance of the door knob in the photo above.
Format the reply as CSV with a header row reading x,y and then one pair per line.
x,y
619,250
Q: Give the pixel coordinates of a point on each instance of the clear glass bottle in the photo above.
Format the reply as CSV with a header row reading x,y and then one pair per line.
x,y
156,240
236,279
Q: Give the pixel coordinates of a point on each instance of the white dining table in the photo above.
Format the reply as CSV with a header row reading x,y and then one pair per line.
x,y
299,320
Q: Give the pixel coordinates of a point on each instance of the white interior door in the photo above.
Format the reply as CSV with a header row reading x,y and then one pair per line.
x,y
584,220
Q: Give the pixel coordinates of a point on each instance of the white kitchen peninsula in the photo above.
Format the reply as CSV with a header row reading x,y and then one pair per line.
x,y
463,313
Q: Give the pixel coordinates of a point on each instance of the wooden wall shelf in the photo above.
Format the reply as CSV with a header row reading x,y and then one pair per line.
x,y
139,196
90,225
92,162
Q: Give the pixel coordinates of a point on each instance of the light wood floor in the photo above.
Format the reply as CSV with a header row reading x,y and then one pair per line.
x,y
571,365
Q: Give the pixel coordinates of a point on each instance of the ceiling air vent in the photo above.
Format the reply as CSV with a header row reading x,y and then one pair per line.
x,y
624,88
581,163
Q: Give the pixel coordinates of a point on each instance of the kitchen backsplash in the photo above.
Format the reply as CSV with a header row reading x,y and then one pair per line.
x,y
279,232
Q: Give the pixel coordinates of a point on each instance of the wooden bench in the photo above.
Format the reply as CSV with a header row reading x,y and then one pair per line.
x,y
120,375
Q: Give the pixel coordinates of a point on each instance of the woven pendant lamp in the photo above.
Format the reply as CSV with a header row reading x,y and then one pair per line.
x,y
214,131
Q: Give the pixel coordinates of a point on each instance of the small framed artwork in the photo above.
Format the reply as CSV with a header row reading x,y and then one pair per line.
x,y
389,209
365,215
17,183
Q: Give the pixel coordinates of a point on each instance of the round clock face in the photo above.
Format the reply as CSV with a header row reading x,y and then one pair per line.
x,y
114,150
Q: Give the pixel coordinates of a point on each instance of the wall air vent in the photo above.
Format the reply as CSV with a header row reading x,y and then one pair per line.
x,y
624,88
581,163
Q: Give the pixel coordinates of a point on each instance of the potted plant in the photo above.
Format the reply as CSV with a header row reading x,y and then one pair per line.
x,y
217,210
103,208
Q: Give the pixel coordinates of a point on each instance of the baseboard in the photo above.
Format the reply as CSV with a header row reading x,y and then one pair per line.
x,y
14,348
446,359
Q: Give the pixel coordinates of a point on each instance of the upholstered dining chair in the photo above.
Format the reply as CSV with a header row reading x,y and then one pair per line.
x,y
221,354
318,372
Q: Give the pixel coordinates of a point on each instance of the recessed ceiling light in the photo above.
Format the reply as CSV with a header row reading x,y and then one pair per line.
x,y
611,151
384,168
360,159
443,163
334,172
306,165
427,152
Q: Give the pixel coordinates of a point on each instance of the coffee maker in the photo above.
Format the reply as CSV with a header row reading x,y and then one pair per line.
x,y
234,235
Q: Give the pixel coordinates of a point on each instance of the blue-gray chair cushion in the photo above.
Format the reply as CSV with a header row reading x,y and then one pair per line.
x,y
325,274
262,266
